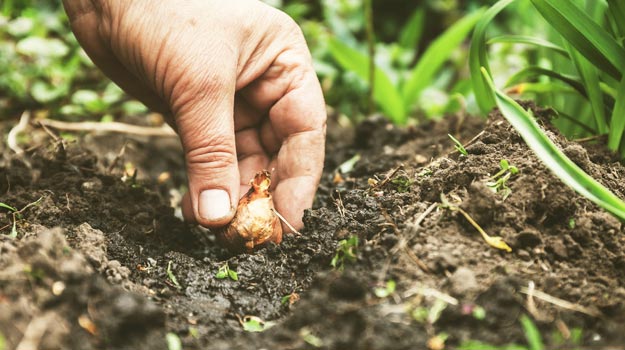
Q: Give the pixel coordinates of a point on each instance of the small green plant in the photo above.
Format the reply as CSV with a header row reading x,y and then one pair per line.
x,y
255,324
458,146
171,276
532,337
572,223
429,315
17,214
498,181
346,251
386,291
225,272
402,183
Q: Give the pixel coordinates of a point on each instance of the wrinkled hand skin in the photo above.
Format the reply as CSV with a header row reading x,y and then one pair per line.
x,y
236,80
255,222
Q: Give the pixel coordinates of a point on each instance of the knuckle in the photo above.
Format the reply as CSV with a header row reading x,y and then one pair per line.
x,y
211,154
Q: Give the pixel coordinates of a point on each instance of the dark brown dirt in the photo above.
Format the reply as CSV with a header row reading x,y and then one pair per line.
x,y
89,267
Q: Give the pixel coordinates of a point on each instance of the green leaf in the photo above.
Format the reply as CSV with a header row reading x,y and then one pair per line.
x,y
171,275
533,71
478,59
173,341
221,274
422,75
532,335
552,156
233,275
578,28
617,11
6,206
590,77
256,324
384,93
43,92
529,40
413,30
42,47
477,345
617,121
387,290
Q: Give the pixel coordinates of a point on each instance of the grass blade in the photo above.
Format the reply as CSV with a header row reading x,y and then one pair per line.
x,y
384,93
435,56
617,122
617,11
532,334
552,156
584,34
594,94
477,57
413,30
534,71
529,40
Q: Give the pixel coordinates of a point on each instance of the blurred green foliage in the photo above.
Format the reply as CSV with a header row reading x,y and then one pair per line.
x,y
43,67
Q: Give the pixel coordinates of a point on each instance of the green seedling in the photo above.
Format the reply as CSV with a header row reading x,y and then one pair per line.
x,y
173,341
497,182
431,315
402,183
255,324
387,290
346,252
171,275
458,146
225,271
17,214
572,223
532,337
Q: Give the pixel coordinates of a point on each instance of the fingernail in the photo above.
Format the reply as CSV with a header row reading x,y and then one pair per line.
x,y
214,204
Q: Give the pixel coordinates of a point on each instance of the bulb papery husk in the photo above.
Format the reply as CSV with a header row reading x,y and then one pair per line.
x,y
255,222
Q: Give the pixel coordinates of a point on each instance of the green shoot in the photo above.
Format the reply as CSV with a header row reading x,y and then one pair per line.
x,y
402,183
17,214
255,324
387,290
498,181
346,251
532,336
225,271
6,206
458,146
171,276
431,315
173,341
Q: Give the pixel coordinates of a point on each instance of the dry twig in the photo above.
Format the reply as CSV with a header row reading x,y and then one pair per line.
x,y
115,127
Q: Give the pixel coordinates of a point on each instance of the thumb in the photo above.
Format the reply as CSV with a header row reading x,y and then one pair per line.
x,y
206,128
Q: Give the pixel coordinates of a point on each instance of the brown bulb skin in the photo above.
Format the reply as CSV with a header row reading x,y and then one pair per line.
x,y
255,222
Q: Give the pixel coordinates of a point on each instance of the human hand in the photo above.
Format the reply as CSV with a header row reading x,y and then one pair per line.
x,y
238,80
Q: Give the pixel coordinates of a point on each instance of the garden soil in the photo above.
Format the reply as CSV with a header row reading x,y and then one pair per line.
x,y
102,262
